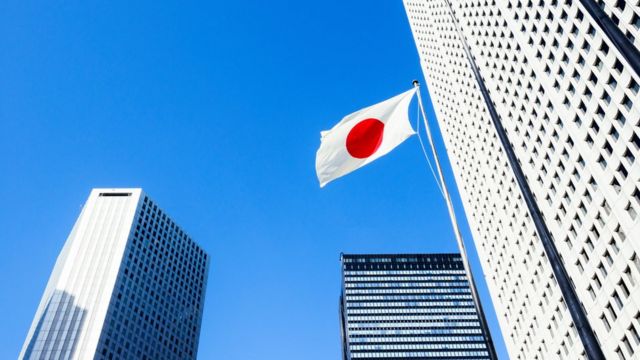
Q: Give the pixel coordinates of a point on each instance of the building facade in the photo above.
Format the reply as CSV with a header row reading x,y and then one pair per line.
x,y
416,306
129,283
569,103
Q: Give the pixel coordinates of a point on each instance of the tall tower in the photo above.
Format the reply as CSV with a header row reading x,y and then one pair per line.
x,y
416,306
128,283
568,101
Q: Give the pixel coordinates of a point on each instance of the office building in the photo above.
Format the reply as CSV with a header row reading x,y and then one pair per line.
x,y
568,101
416,306
129,283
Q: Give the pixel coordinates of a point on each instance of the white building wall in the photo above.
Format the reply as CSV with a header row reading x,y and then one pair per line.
x,y
567,100
79,290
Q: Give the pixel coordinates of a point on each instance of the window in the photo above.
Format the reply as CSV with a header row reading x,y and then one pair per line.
x,y
635,140
631,211
623,172
633,85
603,271
620,118
596,280
634,334
614,246
608,257
618,66
616,185
612,312
602,162
605,322
636,261
620,233
627,344
623,287
617,299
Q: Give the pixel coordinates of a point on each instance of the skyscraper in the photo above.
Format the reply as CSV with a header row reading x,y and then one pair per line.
x,y
409,306
129,283
567,99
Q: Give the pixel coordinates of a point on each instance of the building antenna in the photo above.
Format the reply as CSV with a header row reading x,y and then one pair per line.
x,y
587,336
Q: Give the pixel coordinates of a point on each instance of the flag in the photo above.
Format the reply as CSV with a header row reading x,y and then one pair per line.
x,y
363,136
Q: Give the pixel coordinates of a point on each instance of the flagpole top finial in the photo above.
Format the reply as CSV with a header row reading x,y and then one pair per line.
x,y
416,83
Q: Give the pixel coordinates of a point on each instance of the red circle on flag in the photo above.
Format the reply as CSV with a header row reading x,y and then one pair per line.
x,y
365,138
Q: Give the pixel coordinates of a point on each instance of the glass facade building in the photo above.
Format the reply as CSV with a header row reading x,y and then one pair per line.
x,y
129,283
408,306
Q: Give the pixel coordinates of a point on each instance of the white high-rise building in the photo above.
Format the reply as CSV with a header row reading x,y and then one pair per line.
x,y
128,284
569,103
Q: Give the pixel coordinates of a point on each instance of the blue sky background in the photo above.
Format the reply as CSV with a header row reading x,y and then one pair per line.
x,y
215,109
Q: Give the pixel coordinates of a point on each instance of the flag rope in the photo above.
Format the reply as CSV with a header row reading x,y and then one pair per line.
x,y
424,152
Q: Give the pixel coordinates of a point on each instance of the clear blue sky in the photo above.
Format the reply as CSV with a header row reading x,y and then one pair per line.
x,y
215,109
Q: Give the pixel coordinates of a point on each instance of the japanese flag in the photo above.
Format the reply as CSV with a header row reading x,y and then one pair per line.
x,y
363,136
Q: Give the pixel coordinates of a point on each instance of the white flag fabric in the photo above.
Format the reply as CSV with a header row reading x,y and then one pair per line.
x,y
363,136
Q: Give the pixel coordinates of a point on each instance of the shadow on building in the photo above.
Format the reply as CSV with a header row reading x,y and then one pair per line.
x,y
57,330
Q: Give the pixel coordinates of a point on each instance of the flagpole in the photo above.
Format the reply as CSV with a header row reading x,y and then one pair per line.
x,y
456,231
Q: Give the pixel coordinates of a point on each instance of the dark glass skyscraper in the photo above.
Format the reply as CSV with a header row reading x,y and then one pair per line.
x,y
408,306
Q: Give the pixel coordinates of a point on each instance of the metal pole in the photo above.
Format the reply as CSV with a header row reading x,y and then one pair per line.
x,y
587,336
458,235
613,32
